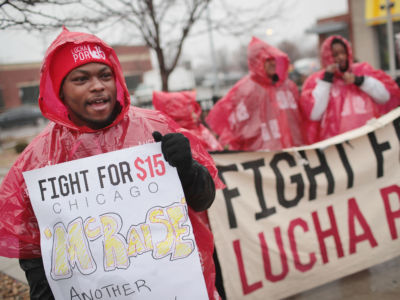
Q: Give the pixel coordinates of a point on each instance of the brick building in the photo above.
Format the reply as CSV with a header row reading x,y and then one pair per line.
x,y
19,83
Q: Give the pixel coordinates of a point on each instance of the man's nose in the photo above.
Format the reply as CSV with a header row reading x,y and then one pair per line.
x,y
96,83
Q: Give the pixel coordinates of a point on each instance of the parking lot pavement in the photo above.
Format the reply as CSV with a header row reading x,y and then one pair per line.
x,y
20,132
10,266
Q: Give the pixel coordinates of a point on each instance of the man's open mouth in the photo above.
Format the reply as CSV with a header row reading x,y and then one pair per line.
x,y
98,101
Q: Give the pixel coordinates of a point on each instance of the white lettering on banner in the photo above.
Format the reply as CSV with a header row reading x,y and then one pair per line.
x,y
335,90
311,216
116,225
274,125
241,112
359,105
285,99
355,105
346,109
232,120
264,132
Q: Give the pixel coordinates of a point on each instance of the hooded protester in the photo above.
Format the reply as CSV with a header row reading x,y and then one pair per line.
x,y
344,95
84,95
260,112
183,108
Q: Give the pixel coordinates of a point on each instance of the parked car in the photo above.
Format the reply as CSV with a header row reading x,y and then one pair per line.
x,y
21,115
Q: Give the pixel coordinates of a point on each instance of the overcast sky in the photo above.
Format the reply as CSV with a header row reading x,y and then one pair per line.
x,y
24,47
291,26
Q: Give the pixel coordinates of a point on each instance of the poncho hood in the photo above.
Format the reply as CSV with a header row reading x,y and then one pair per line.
x,y
257,53
50,103
182,107
326,51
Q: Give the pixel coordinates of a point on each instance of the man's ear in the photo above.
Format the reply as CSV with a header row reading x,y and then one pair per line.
x,y
61,93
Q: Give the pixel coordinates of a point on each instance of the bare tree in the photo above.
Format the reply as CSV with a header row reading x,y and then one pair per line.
x,y
240,63
223,60
291,49
163,25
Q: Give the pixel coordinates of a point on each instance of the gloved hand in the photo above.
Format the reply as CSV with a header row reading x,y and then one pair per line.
x,y
197,182
176,150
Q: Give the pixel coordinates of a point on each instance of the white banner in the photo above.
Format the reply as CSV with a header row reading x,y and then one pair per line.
x,y
290,221
116,226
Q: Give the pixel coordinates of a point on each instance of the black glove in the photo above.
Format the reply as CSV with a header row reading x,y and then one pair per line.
x,y
328,77
197,182
359,80
176,150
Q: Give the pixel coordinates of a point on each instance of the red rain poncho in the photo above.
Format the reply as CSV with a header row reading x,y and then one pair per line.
x,y
183,108
348,107
257,114
62,141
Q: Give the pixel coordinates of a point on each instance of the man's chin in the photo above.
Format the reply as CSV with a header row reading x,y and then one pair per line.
x,y
343,68
98,124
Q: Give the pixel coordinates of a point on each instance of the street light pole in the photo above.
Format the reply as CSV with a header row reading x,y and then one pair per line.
x,y
390,38
213,59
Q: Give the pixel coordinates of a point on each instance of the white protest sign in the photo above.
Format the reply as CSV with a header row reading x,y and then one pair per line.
x,y
116,226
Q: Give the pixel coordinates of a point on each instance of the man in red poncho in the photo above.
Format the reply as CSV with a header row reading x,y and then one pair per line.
x,y
83,93
183,108
344,95
260,112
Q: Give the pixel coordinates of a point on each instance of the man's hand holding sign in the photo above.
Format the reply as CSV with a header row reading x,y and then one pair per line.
x,y
176,150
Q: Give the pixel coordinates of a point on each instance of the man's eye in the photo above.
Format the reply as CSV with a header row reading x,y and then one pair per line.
x,y
106,75
80,79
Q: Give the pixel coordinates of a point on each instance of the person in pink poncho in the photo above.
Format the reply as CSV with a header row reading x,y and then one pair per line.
x,y
183,108
84,95
344,95
261,111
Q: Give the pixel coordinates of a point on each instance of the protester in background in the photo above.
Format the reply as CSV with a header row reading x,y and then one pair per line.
x,y
83,93
183,108
344,95
260,112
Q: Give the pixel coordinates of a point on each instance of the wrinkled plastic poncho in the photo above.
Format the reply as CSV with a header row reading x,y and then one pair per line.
x,y
183,108
359,106
258,114
62,141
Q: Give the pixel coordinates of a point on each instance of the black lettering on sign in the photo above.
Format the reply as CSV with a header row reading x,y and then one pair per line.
x,y
255,166
280,181
229,194
313,172
378,150
65,184
396,124
346,165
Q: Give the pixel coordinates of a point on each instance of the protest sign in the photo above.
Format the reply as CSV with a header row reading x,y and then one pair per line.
x,y
116,226
293,220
